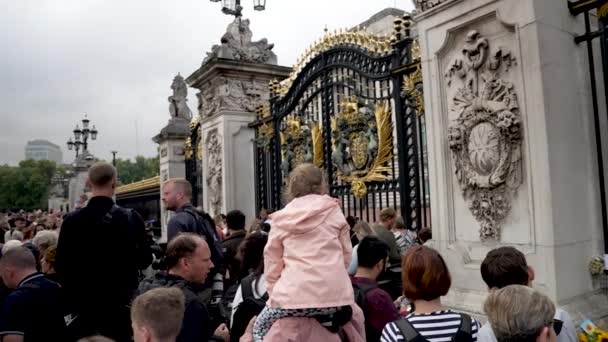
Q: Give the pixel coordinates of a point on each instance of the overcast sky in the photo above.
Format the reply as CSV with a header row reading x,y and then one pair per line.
x,y
115,61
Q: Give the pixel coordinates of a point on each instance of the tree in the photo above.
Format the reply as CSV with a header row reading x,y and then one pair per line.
x,y
27,185
142,168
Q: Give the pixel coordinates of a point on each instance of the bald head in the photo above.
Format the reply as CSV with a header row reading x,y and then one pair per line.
x,y
15,265
18,257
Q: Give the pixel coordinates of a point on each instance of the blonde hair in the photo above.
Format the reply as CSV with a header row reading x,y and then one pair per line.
x,y
518,313
363,229
305,179
183,186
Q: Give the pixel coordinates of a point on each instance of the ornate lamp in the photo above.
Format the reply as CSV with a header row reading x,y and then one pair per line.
x,y
85,122
94,133
70,144
259,5
77,132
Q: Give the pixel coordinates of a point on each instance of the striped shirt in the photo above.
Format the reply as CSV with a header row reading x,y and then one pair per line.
x,y
438,326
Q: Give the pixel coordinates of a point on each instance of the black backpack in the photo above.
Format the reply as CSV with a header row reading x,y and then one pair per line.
x,y
360,291
463,334
206,228
249,307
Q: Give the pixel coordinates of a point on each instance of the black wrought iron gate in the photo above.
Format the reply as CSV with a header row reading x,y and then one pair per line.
x,y
352,106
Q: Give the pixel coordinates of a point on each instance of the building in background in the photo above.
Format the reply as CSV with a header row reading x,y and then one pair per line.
x,y
43,150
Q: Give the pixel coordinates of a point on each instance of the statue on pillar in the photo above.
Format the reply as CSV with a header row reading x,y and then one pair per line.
x,y
178,107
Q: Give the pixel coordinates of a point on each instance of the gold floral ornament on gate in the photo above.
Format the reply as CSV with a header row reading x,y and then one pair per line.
x,y
188,149
412,90
300,143
362,136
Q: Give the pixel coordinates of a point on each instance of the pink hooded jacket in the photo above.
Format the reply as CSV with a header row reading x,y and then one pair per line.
x,y
307,254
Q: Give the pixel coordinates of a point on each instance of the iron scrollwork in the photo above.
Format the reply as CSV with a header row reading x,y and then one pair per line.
x,y
485,138
362,143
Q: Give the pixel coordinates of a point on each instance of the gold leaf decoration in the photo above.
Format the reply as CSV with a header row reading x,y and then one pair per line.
x,y
317,143
379,169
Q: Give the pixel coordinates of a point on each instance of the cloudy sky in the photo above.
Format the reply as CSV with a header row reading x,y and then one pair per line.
x,y
115,61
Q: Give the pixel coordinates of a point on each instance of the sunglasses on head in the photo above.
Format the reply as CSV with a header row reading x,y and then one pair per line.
x,y
557,326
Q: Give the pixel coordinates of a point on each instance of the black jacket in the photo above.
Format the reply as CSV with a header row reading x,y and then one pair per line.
x,y
230,247
196,325
98,263
185,221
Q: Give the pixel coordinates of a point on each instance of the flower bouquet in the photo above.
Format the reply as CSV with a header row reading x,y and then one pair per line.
x,y
591,333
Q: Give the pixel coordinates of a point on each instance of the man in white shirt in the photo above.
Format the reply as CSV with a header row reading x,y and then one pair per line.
x,y
506,266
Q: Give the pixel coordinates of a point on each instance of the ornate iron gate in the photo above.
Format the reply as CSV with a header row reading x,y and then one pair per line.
x,y
193,154
352,106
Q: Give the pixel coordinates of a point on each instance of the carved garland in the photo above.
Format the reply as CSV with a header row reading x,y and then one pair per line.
x,y
362,143
485,138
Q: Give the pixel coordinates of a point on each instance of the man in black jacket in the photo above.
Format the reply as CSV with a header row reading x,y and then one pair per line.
x,y
188,263
176,196
101,249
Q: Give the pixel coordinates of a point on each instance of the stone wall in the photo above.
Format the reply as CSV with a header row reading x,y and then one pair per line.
x,y
508,109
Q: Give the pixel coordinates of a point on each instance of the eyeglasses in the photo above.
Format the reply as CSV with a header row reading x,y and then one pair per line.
x,y
557,326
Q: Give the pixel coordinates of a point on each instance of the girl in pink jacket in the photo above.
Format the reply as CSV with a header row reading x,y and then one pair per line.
x,y
307,254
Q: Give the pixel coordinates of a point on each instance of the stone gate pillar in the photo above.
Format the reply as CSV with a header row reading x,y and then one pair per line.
x,y
511,145
233,82
171,141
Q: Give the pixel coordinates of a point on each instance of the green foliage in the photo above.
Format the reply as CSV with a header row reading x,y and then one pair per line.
x,y
142,168
27,185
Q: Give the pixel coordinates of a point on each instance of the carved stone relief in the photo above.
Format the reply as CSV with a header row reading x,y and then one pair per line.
x,y
214,172
237,44
424,5
485,136
232,94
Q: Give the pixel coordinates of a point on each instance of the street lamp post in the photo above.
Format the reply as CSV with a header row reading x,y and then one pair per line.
x,y
114,158
81,137
233,7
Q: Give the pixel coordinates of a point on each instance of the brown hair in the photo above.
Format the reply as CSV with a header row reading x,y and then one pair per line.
x,y
387,214
518,313
425,234
504,266
180,247
182,184
305,179
161,310
425,274
101,173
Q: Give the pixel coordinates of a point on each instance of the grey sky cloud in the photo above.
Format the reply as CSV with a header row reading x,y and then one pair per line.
x,y
115,61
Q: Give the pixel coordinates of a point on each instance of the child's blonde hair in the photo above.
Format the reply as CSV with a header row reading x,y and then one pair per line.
x,y
305,179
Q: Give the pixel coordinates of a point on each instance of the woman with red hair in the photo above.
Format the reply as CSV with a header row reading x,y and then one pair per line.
x,y
426,279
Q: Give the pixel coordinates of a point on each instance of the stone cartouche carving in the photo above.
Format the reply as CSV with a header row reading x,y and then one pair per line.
x,y
214,172
237,44
178,107
362,143
485,138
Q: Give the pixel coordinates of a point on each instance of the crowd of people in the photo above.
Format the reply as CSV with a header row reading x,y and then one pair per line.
x,y
303,273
